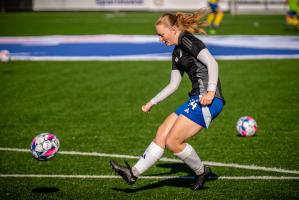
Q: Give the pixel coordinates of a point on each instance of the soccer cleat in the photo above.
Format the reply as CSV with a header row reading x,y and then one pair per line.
x,y
125,172
200,179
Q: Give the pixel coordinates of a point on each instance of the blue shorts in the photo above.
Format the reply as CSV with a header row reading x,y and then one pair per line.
x,y
292,13
213,6
202,115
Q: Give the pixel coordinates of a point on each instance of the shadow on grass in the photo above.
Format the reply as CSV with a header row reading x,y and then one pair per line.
x,y
45,190
175,168
184,181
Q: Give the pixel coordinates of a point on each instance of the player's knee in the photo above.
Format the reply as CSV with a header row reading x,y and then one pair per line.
x,y
169,144
161,135
172,144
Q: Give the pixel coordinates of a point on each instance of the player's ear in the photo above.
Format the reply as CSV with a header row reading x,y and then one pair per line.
x,y
174,29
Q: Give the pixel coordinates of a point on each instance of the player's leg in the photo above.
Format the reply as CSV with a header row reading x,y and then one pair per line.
x,y
211,15
210,18
291,18
183,130
156,149
218,18
151,155
192,118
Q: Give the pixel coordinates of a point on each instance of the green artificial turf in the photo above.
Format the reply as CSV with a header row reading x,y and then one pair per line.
x,y
85,23
96,107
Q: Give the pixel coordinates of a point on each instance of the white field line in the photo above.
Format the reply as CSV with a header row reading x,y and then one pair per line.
x,y
146,177
218,164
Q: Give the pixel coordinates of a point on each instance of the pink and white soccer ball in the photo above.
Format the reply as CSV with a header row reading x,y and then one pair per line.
x,y
44,146
4,55
246,126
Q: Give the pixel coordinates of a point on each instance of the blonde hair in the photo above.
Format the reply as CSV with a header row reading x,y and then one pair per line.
x,y
188,22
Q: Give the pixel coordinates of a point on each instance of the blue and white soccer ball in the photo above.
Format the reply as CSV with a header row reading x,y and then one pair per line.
x,y
44,146
246,126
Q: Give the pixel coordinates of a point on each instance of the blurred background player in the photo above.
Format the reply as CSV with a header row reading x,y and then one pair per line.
x,y
215,17
293,13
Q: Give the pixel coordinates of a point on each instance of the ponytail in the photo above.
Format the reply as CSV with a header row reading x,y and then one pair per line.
x,y
187,22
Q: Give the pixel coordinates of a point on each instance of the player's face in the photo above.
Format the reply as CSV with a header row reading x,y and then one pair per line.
x,y
166,35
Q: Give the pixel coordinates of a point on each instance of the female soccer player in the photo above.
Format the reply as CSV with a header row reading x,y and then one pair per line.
x,y
292,16
192,57
216,16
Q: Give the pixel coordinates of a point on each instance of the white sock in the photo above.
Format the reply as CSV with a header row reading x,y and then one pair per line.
x,y
190,157
152,154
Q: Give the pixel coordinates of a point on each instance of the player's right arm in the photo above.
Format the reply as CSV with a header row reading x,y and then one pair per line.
x,y
175,79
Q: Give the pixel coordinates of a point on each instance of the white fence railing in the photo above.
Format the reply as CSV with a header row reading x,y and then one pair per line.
x,y
257,6
234,6
117,5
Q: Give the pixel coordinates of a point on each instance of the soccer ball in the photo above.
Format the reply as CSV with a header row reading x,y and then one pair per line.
x,y
246,126
44,146
4,56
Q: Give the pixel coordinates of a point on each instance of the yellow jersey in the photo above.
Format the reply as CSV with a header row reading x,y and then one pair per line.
x,y
213,1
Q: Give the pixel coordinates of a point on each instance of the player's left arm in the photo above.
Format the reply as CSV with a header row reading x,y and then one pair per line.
x,y
199,50
206,58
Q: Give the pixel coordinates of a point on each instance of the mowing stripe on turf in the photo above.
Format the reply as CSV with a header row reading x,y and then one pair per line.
x,y
218,164
147,177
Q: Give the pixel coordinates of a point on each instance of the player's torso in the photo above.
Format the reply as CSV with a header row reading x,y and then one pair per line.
x,y
197,71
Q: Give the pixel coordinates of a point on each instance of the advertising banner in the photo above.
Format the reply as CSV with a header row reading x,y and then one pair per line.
x,y
117,5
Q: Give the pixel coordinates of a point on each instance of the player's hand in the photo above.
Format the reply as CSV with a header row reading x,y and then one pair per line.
x,y
147,107
207,98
